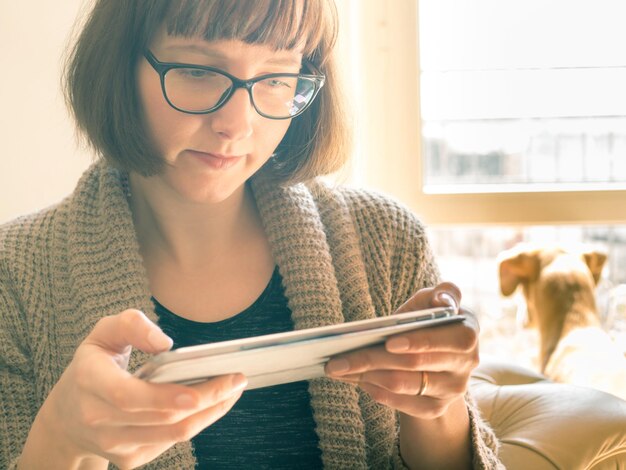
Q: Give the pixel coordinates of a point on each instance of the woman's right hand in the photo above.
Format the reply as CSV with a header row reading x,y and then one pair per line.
x,y
98,412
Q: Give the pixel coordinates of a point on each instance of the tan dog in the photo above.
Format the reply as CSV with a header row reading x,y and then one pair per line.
x,y
559,291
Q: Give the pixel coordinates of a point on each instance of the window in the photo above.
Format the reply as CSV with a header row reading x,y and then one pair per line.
x,y
515,134
477,145
524,94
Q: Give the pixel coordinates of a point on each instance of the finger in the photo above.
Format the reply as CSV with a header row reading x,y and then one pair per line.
x,y
378,359
100,376
447,294
125,392
424,407
139,456
98,413
116,333
460,337
220,388
470,318
127,439
443,295
440,384
418,301
431,362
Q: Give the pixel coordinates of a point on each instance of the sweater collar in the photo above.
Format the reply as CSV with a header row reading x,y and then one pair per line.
x,y
105,265
298,237
106,269
108,276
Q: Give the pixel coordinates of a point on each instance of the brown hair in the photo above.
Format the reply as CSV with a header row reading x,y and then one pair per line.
x,y
101,87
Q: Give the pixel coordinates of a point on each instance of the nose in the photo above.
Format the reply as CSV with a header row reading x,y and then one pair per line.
x,y
233,121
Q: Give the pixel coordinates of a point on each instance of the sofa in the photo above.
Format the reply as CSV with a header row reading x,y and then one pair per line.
x,y
545,425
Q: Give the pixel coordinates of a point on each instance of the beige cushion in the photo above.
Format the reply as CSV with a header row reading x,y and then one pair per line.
x,y
545,425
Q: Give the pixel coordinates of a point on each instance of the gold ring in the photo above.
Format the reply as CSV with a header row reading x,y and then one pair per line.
x,y
424,384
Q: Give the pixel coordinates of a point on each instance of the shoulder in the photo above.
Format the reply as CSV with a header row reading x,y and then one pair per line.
x,y
30,235
26,231
25,240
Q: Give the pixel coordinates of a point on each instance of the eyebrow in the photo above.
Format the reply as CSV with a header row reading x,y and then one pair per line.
x,y
212,54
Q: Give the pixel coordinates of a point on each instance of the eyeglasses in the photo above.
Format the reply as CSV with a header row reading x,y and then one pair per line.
x,y
196,89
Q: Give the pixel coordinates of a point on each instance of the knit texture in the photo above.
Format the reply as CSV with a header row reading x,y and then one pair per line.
x,y
344,255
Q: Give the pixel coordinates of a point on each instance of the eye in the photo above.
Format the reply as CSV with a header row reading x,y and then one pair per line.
x,y
198,74
277,82
282,84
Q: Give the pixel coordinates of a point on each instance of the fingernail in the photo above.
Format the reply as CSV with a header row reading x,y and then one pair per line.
x,y
159,340
338,366
398,345
184,400
446,298
239,383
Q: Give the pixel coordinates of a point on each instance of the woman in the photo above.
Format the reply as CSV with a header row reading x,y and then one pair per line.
x,y
203,215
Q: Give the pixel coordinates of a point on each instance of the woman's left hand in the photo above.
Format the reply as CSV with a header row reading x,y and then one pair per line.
x,y
420,373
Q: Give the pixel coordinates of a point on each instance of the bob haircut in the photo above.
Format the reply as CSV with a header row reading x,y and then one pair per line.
x,y
100,82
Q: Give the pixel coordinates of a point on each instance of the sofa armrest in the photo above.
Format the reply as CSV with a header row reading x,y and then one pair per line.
x,y
545,425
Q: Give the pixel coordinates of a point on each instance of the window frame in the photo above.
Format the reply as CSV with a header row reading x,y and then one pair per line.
x,y
383,35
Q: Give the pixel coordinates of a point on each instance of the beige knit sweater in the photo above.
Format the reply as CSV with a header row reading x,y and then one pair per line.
x,y
343,254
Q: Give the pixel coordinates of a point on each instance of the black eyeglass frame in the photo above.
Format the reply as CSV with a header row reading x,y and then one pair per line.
x,y
162,68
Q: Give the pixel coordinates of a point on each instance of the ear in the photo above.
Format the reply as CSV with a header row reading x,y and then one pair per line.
x,y
516,267
595,261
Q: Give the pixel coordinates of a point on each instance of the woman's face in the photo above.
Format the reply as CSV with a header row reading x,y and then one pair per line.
x,y
209,157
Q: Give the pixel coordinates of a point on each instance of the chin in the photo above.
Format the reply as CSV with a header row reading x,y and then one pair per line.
x,y
212,195
207,187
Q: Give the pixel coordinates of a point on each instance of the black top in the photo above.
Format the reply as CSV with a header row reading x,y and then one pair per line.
x,y
270,427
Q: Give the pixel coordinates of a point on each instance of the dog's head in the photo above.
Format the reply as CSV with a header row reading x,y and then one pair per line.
x,y
550,277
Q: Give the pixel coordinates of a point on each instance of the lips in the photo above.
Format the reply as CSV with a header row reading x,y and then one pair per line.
x,y
214,155
215,160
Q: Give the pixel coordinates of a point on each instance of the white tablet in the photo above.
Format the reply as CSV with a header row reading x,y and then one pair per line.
x,y
284,357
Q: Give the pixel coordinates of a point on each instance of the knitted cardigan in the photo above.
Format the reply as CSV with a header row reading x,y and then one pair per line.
x,y
344,255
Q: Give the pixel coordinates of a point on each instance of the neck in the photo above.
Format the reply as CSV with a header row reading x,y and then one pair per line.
x,y
186,233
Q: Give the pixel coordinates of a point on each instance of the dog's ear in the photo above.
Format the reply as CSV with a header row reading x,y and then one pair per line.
x,y
595,261
517,267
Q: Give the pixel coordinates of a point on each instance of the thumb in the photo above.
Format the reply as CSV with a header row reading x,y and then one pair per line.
x,y
422,299
128,329
445,294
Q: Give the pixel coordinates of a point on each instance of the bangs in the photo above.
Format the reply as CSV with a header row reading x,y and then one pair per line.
x,y
281,24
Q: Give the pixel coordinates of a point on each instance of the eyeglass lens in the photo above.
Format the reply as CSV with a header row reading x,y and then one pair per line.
x,y
197,90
